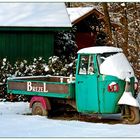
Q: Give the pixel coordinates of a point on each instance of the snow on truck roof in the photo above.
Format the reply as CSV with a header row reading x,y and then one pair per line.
x,y
99,50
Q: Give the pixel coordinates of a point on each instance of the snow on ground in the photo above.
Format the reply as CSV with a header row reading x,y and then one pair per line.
x,y
13,123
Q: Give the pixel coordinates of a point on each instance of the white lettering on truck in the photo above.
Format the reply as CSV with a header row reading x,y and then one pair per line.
x,y
30,87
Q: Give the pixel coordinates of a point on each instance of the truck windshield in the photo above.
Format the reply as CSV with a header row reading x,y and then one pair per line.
x,y
115,64
101,57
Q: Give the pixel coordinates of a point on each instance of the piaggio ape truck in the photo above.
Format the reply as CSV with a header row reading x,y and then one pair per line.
x,y
104,84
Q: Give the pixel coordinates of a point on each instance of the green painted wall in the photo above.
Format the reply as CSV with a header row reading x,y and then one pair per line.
x,y
26,44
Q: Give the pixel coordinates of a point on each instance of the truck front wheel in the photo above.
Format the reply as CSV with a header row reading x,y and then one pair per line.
x,y
133,117
37,109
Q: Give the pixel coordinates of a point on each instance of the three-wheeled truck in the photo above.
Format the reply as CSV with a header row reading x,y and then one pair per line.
x,y
104,84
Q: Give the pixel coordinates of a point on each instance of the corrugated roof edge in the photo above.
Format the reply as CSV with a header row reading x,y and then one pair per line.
x,y
99,50
24,28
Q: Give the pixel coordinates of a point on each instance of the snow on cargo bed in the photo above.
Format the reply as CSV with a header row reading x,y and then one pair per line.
x,y
47,78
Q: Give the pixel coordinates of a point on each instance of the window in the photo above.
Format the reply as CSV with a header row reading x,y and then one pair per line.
x,y
101,57
91,65
86,65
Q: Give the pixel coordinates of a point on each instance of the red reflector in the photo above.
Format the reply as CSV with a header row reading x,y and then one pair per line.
x,y
136,86
113,88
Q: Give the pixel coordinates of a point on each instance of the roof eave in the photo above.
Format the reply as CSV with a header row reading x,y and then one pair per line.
x,y
87,14
31,28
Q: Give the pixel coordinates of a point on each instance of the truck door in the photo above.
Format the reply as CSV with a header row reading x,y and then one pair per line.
x,y
86,84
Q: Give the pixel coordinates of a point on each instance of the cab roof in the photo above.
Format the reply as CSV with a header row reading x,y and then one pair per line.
x,y
99,50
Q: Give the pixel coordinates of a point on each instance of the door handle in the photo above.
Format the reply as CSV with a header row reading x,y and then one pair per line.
x,y
80,82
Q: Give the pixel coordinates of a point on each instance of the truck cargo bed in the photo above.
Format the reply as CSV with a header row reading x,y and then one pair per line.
x,y
50,86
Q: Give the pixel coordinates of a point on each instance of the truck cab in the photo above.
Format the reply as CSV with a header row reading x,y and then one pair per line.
x,y
101,81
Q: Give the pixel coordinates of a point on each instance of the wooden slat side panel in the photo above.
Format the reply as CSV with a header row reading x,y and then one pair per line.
x,y
38,87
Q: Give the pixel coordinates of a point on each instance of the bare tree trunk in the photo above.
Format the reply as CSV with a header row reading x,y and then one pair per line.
x,y
125,30
137,39
107,20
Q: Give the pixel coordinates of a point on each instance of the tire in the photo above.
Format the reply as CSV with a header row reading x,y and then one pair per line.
x,y
37,109
134,116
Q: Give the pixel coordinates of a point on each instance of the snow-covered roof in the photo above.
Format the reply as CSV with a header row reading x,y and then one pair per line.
x,y
34,15
99,50
76,13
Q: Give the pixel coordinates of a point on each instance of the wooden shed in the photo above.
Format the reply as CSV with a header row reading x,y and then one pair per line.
x,y
79,16
27,29
86,36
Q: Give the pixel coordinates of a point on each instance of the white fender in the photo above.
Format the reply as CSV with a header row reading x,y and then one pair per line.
x,y
128,99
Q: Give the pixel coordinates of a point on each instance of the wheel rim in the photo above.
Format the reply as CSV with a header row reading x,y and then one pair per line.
x,y
132,115
38,111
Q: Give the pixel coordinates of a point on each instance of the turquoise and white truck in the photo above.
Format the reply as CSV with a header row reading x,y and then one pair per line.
x,y
104,84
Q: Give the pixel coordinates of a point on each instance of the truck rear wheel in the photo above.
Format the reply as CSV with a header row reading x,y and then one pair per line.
x,y
133,117
37,109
